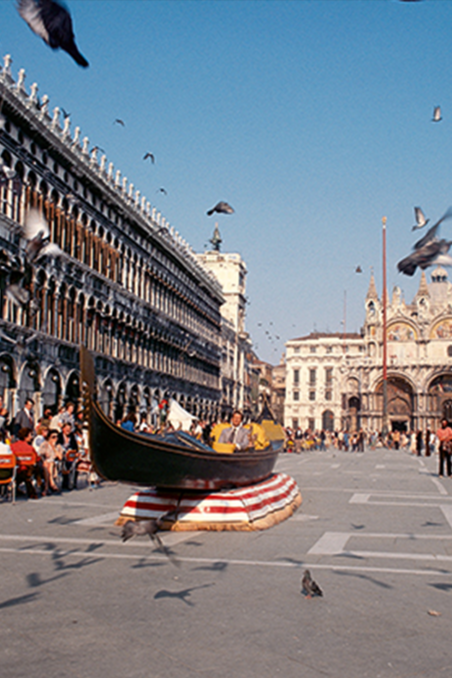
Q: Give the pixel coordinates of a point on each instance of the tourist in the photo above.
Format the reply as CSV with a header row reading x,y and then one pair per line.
x,y
27,459
24,418
445,447
66,439
50,451
129,422
236,434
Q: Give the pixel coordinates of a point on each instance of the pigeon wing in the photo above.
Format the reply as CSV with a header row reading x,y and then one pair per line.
x,y
31,14
58,23
35,224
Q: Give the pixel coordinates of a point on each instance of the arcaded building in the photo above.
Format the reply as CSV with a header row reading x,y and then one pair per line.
x,y
335,381
125,284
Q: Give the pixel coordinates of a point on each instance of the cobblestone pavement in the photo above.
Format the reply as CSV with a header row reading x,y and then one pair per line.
x,y
375,529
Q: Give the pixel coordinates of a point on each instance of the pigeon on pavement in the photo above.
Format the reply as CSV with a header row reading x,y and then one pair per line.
x,y
309,586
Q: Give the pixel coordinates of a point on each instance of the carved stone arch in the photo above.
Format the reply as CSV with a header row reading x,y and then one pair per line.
x,y
29,381
8,374
52,389
72,388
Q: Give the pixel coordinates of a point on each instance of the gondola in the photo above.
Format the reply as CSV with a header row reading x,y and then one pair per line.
x,y
174,461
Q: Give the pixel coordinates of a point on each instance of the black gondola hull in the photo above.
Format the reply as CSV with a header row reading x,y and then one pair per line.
x,y
124,456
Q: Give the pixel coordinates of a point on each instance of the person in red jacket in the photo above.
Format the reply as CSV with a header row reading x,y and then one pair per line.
x,y
26,460
445,447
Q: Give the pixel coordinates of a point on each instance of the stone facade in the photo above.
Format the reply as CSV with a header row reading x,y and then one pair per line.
x,y
230,271
126,284
335,381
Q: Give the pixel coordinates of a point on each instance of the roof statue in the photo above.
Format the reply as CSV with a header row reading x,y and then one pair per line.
x,y
216,239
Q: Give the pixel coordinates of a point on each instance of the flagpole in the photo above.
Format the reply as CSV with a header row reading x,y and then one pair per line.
x,y
385,339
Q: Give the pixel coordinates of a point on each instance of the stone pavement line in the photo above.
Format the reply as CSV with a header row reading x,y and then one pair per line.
x,y
364,498
333,544
212,561
447,510
103,519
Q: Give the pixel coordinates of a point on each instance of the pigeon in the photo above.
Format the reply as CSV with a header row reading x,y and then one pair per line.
x,y
421,221
429,254
38,238
118,121
149,155
222,208
309,586
8,172
52,22
65,113
432,232
437,114
97,148
162,190
151,528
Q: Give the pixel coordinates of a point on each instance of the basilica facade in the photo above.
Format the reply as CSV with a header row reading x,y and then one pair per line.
x,y
335,381
124,284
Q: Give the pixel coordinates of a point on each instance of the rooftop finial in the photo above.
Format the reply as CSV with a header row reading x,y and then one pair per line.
x,y
216,239
33,98
20,80
6,71
56,118
85,146
76,139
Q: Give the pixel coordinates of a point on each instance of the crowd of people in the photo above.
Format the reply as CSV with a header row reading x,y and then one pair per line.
x,y
421,443
49,452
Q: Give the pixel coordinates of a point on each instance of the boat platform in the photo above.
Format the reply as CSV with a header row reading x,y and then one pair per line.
x,y
254,507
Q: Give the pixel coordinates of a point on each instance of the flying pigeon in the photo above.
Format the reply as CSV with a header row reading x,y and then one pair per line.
x,y
149,155
309,587
38,238
8,171
118,121
432,232
151,528
428,251
222,208
437,114
97,148
51,22
162,190
421,221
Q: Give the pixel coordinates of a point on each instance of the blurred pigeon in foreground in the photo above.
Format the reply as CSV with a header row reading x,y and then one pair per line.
x,y
222,208
437,114
51,22
421,221
428,251
149,527
38,238
309,586
149,155
8,171
432,232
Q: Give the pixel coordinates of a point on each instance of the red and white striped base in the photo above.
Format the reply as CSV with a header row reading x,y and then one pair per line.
x,y
255,507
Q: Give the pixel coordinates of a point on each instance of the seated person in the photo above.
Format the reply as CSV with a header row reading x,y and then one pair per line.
x,y
26,460
236,433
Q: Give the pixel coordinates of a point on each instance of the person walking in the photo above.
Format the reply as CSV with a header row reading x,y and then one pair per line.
x,y
445,447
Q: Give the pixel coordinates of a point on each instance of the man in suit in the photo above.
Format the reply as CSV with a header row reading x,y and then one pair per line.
x,y
236,433
24,418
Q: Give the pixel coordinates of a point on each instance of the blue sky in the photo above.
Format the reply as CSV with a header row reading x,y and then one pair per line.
x,y
313,119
